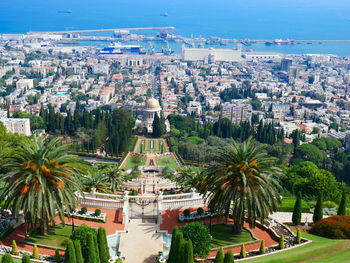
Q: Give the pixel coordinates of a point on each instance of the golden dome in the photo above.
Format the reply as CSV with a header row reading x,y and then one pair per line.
x,y
152,104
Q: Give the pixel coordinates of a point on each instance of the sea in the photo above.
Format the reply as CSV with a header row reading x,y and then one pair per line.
x,y
253,19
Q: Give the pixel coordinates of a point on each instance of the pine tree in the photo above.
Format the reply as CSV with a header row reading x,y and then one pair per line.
x,y
342,206
243,253
69,256
262,247
91,257
78,253
57,256
229,258
298,237
219,256
14,250
172,251
296,218
35,252
25,258
318,213
102,244
281,242
7,258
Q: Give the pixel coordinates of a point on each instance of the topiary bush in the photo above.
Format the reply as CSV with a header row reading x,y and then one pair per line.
x,y
335,227
83,210
219,256
342,206
35,252
298,237
69,256
281,242
199,234
296,218
14,250
187,212
25,258
7,258
242,254
200,210
81,234
262,247
97,212
57,257
229,258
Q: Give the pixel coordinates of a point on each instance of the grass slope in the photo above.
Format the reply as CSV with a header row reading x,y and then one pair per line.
x,y
320,250
222,236
134,162
168,162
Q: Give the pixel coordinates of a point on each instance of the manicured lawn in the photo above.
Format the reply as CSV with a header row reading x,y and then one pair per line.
x,y
142,143
168,162
288,205
222,236
320,250
134,162
57,237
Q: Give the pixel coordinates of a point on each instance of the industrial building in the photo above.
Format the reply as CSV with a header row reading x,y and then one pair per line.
x,y
212,55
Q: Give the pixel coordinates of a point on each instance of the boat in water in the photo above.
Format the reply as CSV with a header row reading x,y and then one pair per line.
x,y
64,11
280,42
118,48
164,14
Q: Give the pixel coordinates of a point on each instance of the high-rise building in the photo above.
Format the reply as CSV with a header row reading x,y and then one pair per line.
x,y
237,111
286,64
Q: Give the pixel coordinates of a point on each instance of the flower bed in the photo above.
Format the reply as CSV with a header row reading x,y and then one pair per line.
x,y
336,227
89,216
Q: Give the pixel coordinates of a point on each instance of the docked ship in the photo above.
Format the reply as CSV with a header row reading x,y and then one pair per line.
x,y
118,48
280,42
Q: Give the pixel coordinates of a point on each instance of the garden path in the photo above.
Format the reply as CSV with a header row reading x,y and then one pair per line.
x,y
140,243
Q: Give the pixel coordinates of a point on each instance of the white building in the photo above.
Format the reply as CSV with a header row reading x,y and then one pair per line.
x,y
194,107
100,68
250,56
211,55
20,126
25,84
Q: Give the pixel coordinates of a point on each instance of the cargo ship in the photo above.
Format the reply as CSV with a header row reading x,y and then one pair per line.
x,y
109,51
118,48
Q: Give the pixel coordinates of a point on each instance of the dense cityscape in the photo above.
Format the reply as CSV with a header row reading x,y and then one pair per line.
x,y
213,154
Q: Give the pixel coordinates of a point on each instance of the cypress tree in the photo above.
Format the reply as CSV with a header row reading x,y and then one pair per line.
x,y
102,244
7,258
281,242
178,241
173,242
219,256
91,252
182,251
243,254
78,253
318,213
14,250
57,256
69,256
96,248
262,247
296,218
229,258
342,206
189,252
25,258
35,252
298,237
156,125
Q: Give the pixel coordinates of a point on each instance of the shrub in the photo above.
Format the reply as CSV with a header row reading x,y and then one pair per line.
x,y
81,234
229,258
318,213
342,205
69,256
335,227
35,252
97,212
189,252
200,210
219,256
262,247
198,233
102,244
25,258
83,210
296,218
281,242
78,252
329,204
7,258
243,253
14,250
172,251
187,212
298,237
91,256
57,256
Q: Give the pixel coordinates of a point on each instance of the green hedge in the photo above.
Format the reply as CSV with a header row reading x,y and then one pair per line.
x,y
99,220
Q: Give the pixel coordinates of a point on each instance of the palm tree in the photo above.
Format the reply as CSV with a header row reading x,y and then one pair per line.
x,y
115,178
96,179
189,177
42,180
241,182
